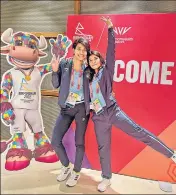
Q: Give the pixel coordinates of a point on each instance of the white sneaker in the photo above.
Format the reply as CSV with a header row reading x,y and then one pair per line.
x,y
104,184
174,157
65,171
165,186
73,179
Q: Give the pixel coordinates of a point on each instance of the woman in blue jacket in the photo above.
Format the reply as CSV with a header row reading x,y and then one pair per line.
x,y
106,111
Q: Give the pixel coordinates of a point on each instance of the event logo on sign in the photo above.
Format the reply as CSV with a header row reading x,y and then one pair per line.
x,y
119,31
79,33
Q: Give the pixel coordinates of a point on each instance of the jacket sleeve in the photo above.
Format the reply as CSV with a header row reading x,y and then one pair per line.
x,y
56,76
110,54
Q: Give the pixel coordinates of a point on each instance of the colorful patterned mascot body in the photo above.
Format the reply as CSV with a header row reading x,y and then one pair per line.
x,y
22,106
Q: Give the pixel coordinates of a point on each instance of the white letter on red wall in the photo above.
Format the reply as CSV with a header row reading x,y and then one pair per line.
x,y
132,71
147,73
121,64
165,73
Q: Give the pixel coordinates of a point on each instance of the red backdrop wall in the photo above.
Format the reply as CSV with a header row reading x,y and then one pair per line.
x,y
144,86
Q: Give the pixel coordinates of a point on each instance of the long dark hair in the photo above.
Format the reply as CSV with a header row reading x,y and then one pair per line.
x,y
89,72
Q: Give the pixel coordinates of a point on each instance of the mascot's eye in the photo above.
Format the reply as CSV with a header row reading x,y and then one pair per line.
x,y
18,43
32,46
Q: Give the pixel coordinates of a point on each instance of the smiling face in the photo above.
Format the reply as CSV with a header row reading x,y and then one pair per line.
x,y
23,57
23,50
81,48
80,52
94,62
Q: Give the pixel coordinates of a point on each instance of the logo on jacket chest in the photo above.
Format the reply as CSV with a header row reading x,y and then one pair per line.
x,y
25,90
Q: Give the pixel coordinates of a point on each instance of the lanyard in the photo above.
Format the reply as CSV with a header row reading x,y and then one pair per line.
x,y
79,79
27,76
98,75
91,89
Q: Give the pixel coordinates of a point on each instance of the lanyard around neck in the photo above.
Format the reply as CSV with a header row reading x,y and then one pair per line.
x,y
91,89
97,85
73,78
27,76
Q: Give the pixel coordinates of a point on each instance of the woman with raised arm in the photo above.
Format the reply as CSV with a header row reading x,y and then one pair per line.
x,y
106,111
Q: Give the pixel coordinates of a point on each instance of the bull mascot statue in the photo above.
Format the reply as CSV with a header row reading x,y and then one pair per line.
x,y
20,96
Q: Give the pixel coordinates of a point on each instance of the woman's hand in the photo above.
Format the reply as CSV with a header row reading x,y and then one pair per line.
x,y
55,63
107,21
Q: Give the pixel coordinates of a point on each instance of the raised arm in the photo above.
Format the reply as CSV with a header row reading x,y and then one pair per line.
x,y
110,54
57,72
56,79
59,50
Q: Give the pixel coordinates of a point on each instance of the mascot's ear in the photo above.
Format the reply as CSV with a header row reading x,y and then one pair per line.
x,y
41,53
5,50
